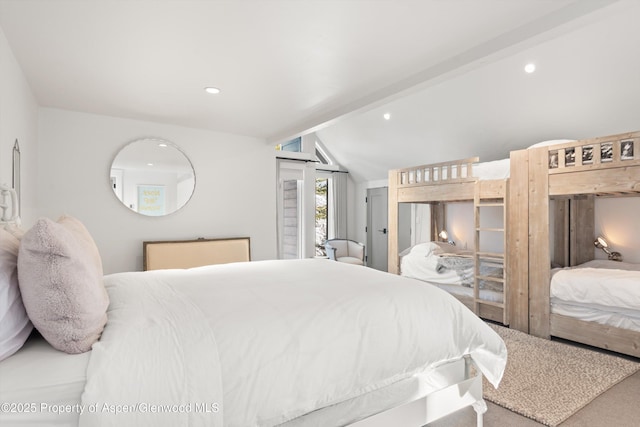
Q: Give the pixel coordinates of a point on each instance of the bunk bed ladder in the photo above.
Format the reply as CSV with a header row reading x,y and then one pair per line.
x,y
496,311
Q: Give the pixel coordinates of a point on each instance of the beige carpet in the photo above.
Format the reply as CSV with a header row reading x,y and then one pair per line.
x,y
549,381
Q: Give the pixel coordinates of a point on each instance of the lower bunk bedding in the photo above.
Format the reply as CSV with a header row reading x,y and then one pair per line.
x,y
598,303
451,269
301,342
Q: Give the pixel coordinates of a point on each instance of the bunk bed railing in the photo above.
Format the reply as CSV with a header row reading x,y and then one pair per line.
x,y
599,153
436,173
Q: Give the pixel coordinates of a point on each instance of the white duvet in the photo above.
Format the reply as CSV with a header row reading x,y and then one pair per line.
x,y
599,282
261,343
421,262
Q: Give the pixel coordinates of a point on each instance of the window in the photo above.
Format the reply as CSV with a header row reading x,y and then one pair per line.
x,y
322,217
294,145
311,198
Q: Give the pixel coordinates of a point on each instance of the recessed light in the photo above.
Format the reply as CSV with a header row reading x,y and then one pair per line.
x,y
213,90
149,164
386,116
163,145
530,68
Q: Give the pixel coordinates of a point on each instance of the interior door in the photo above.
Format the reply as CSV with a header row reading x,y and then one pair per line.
x,y
377,231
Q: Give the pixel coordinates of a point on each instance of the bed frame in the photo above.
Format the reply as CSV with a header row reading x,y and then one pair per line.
x,y
573,174
465,390
9,210
441,183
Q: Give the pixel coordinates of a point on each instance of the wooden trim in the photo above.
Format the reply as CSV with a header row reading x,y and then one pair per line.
x,y
438,220
596,181
393,261
517,248
561,232
539,257
169,254
582,230
608,337
444,192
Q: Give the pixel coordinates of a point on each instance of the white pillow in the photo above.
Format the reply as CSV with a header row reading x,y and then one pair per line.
x,y
60,276
15,326
550,142
422,249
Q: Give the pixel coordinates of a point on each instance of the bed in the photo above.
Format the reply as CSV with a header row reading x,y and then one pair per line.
x,y
282,342
572,175
599,295
602,291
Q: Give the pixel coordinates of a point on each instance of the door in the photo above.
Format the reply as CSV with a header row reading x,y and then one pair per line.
x,y
377,232
289,206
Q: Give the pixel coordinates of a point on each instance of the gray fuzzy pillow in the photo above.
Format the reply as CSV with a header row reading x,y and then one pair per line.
x,y
60,278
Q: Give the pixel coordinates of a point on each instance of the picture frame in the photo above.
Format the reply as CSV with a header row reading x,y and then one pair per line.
x,y
151,200
626,149
606,152
587,154
553,159
570,156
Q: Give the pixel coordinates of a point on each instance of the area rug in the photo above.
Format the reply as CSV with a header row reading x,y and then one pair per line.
x,y
549,381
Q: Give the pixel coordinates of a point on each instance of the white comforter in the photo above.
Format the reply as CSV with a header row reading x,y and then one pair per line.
x,y
421,262
598,283
271,340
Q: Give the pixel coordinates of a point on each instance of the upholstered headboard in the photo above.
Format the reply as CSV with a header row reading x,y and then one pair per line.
x,y
195,253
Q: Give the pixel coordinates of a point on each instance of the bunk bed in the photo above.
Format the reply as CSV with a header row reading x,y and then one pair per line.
x,y
572,175
493,184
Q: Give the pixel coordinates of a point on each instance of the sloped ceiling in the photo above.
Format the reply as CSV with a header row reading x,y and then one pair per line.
x,y
587,84
449,72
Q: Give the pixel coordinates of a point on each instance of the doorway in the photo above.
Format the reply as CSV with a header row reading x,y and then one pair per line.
x,y
377,231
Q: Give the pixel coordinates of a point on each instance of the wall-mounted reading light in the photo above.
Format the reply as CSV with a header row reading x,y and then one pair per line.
x,y
601,243
445,237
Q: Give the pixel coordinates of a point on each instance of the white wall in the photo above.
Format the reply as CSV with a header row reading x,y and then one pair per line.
x,y
18,120
234,194
618,221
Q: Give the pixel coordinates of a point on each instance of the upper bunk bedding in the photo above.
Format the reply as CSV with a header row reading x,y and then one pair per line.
x,y
451,269
607,292
262,343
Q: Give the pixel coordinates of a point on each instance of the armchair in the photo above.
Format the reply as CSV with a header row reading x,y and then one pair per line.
x,y
345,250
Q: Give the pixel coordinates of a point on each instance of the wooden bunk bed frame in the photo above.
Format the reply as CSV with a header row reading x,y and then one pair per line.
x,y
441,183
574,173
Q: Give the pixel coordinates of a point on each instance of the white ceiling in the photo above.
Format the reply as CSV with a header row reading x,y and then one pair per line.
x,y
449,72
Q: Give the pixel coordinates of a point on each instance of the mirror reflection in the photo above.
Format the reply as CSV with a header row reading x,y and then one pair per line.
x,y
152,177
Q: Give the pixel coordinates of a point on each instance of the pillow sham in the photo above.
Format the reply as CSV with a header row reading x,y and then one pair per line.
x,y
60,276
15,325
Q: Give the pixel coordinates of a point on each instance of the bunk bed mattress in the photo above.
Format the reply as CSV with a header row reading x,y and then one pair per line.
x,y
601,291
268,336
598,283
498,169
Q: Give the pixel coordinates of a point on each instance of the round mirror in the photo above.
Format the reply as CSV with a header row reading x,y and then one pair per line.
x,y
152,177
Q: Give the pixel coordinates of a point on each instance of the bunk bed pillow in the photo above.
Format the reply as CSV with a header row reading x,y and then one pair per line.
x,y
418,249
15,326
60,276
